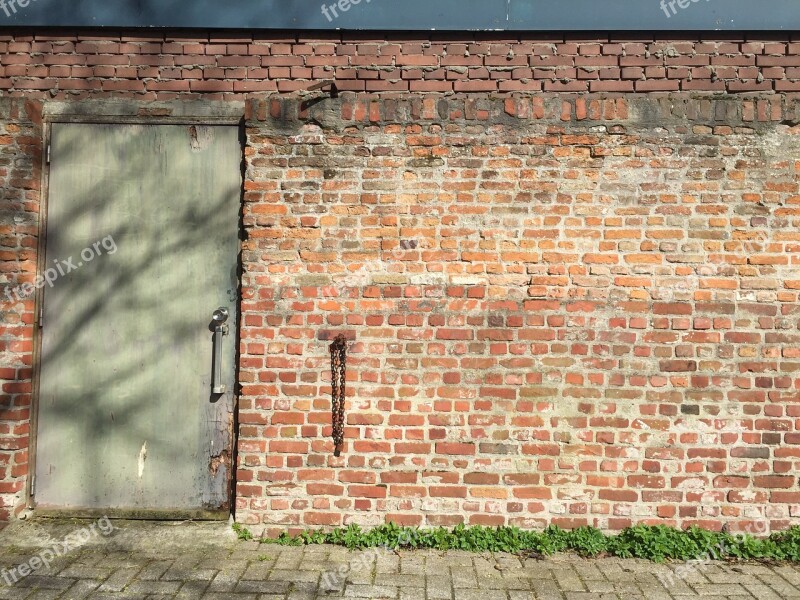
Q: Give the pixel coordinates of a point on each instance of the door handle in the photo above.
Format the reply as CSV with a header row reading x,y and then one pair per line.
x,y
219,317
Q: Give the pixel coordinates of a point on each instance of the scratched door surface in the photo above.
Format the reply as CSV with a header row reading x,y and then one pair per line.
x,y
127,419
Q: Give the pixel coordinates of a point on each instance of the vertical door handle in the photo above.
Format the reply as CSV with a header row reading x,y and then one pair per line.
x,y
219,317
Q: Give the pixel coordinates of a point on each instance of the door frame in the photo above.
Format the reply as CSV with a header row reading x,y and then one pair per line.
x,y
127,112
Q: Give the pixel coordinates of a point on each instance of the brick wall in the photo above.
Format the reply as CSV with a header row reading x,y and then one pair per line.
x,y
162,65
565,306
20,171
562,310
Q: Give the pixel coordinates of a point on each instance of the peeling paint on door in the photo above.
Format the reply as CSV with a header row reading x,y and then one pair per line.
x,y
200,137
142,459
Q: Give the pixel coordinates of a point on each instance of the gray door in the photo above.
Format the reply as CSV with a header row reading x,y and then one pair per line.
x,y
142,246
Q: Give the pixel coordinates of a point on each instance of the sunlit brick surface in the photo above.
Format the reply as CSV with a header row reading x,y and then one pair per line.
x,y
572,311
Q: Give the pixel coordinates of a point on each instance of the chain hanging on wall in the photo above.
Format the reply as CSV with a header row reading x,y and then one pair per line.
x,y
338,374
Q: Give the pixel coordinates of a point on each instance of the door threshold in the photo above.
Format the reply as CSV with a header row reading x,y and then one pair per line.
x,y
132,514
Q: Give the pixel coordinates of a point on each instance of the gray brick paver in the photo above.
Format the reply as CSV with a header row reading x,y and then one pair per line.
x,y
82,589
592,596
482,595
46,582
119,579
184,574
438,587
720,589
521,595
80,572
293,575
643,590
546,590
154,570
762,592
225,580
370,591
568,580
463,577
264,587
13,593
45,595
117,596
154,587
191,590
397,580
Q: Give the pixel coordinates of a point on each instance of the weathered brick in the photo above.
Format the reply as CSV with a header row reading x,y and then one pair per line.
x,y
529,285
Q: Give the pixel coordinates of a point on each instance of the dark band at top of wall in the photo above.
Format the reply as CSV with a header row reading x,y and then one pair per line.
x,y
411,15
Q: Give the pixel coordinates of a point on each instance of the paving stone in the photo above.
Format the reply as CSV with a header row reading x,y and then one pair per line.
x,y
546,590
463,577
719,589
412,564
45,595
13,593
82,589
370,591
119,579
398,580
568,580
256,571
154,570
521,595
387,562
81,572
438,587
191,590
482,595
264,587
281,575
154,587
592,596
762,592
116,596
225,580
48,583
188,574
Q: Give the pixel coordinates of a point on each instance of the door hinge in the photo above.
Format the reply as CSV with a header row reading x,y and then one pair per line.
x,y
33,485
41,317
47,159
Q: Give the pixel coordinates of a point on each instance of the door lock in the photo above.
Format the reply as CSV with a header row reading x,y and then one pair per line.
x,y
219,317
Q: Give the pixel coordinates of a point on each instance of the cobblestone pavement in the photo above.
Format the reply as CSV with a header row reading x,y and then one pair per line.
x,y
205,561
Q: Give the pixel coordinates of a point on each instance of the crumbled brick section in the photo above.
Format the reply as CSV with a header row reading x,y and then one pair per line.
x,y
571,311
167,64
20,174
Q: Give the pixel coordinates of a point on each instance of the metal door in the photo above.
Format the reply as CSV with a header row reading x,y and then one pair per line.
x,y
142,247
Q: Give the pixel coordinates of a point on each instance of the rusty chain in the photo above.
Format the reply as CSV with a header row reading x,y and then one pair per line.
x,y
338,374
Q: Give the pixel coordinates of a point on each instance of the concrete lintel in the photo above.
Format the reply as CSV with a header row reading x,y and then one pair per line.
x,y
119,110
